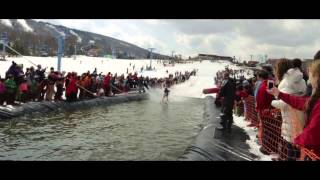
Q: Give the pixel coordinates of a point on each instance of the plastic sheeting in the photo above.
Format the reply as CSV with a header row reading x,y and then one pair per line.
x,y
216,145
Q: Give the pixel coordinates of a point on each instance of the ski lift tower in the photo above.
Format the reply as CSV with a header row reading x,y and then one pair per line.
x,y
113,52
151,49
265,58
75,52
172,59
4,41
60,51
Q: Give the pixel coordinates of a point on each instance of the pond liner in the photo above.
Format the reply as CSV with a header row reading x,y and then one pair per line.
x,y
212,144
45,107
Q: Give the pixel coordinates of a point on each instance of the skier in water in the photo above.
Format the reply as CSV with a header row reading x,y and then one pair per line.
x,y
141,85
165,95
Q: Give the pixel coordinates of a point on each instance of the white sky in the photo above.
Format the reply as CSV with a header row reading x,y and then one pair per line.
x,y
240,38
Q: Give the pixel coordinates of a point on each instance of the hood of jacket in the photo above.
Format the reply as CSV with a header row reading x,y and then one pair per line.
x,y
293,82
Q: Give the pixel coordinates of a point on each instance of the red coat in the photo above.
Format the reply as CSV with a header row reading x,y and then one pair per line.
x,y
264,99
242,94
23,87
72,87
106,81
310,136
135,77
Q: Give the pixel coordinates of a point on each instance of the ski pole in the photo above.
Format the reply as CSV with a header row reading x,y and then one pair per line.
x,y
85,89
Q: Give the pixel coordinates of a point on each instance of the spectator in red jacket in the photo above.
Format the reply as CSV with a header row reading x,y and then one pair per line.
x,y
72,89
2,91
263,101
106,84
244,93
310,136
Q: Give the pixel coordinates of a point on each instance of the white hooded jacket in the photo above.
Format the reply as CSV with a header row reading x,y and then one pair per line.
x,y
292,119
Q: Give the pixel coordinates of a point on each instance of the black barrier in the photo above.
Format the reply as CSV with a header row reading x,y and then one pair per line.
x,y
45,107
212,144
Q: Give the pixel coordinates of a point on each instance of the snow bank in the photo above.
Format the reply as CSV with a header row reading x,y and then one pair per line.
x,y
6,22
54,28
24,24
77,35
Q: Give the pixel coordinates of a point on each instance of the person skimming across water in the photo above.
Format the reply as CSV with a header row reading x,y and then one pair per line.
x,y
165,95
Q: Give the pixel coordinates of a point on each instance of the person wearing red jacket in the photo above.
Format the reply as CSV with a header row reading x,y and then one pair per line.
x,y
310,136
72,89
242,93
106,84
2,91
263,101
135,80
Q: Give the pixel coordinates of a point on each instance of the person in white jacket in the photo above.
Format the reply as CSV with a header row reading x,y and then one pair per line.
x,y
291,82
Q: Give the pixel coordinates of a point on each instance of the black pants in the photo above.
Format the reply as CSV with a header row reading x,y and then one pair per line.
x,y
227,117
58,95
81,94
2,98
31,95
41,92
72,97
141,88
217,102
10,97
107,91
24,96
292,152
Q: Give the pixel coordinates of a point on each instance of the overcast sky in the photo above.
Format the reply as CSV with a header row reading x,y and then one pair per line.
x,y
240,38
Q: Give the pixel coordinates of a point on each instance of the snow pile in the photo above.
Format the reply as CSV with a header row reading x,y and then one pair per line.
x,y
24,24
54,28
124,44
204,79
77,35
252,132
6,22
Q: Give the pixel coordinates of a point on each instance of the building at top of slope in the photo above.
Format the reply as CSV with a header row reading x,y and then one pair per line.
x,y
213,57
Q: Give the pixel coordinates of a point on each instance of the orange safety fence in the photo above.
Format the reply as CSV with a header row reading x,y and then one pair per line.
x,y
238,108
272,141
308,155
251,113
